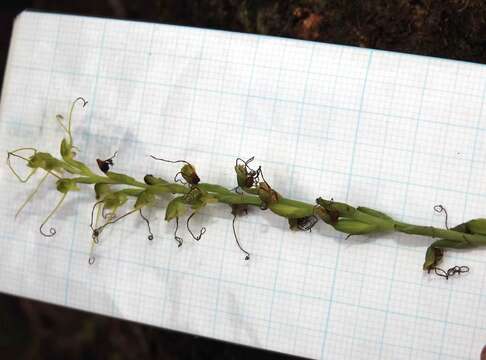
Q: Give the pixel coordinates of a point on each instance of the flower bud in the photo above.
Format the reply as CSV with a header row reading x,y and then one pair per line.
x,y
101,190
189,174
329,216
477,226
152,180
433,256
66,185
175,209
66,150
44,161
145,198
267,195
115,200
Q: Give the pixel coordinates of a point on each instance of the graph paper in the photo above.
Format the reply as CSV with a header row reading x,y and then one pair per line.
x,y
395,132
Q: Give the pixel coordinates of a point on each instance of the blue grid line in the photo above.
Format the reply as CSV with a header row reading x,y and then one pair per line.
x,y
474,148
226,233
270,98
349,174
280,247
449,298
329,309
292,169
378,187
75,223
215,60
257,287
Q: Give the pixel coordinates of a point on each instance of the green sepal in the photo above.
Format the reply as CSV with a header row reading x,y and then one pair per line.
x,y
353,227
267,194
101,190
289,211
145,198
121,178
241,175
45,161
66,185
66,150
203,201
374,213
175,209
115,200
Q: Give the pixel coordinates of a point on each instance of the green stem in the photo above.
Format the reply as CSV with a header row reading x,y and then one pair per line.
x,y
434,232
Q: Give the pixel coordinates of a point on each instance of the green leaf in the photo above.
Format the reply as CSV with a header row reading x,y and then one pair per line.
x,y
176,208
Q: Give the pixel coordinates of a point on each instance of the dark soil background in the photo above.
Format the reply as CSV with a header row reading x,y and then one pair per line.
x,y
454,29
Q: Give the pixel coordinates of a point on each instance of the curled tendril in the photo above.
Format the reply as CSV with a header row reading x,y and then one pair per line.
x,y
70,116
451,271
151,235
170,161
247,257
14,153
441,209
52,231
179,179
307,223
98,230
201,232
91,260
177,238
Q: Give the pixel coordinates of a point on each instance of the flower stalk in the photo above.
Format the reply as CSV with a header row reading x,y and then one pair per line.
x,y
189,195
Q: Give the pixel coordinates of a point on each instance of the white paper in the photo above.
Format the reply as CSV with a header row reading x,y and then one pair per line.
x,y
396,132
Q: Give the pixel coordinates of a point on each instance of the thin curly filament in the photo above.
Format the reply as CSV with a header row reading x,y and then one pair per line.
x,y
151,235
9,164
201,232
52,231
71,116
247,257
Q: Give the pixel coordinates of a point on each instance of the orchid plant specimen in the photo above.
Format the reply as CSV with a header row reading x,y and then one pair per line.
x,y
113,190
